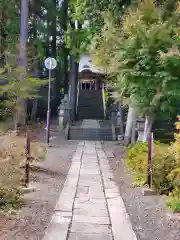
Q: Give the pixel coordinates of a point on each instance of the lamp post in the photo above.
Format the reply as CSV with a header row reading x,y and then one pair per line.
x,y
50,64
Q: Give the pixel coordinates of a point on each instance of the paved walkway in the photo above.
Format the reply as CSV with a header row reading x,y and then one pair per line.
x,y
90,206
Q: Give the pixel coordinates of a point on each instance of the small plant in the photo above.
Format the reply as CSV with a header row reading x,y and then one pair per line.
x,y
174,204
10,198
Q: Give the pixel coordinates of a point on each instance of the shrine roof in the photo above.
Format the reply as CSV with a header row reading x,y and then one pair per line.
x,y
86,65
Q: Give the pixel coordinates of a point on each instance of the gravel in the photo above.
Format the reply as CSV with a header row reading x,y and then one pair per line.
x,y
149,216
48,179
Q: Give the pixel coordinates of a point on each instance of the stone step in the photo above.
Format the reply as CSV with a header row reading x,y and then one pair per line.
x,y
91,130
97,134
92,138
91,116
90,105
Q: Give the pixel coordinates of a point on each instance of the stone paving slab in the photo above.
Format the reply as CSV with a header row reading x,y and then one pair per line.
x,y
58,229
91,212
91,219
89,228
81,236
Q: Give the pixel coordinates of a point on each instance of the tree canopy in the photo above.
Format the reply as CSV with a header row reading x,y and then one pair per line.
x,y
142,57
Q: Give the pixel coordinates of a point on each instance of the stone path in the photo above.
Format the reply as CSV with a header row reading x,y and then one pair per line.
x,y
90,206
90,123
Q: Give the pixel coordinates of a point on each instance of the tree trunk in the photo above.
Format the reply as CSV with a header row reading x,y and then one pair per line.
x,y
34,110
23,54
35,70
129,124
65,71
66,50
56,89
73,81
148,127
2,37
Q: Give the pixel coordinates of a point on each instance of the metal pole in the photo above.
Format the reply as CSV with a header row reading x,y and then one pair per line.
x,y
150,148
48,110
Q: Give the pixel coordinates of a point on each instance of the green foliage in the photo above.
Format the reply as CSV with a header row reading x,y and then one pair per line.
x,y
4,111
91,10
163,164
166,167
174,175
106,95
16,83
10,198
174,201
137,161
142,57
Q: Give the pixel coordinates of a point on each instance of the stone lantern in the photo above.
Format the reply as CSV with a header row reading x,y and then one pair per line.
x,y
140,128
64,112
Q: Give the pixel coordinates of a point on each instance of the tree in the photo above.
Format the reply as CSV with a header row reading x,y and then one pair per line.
x,y
14,89
136,59
23,61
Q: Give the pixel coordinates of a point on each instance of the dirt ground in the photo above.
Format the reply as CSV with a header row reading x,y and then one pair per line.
x,y
47,177
149,216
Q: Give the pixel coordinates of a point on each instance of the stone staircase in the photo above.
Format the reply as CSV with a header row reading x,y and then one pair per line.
x,y
90,105
90,134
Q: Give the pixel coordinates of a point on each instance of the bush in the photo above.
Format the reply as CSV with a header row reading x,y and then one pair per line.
x,y
174,175
10,198
163,164
174,200
4,111
137,161
166,167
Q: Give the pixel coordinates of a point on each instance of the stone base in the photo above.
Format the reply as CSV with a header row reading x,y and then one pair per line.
x,y
149,192
28,189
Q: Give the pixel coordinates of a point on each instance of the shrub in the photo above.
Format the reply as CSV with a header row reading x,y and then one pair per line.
x,y
175,146
174,175
163,164
137,161
10,198
174,201
166,167
5,112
